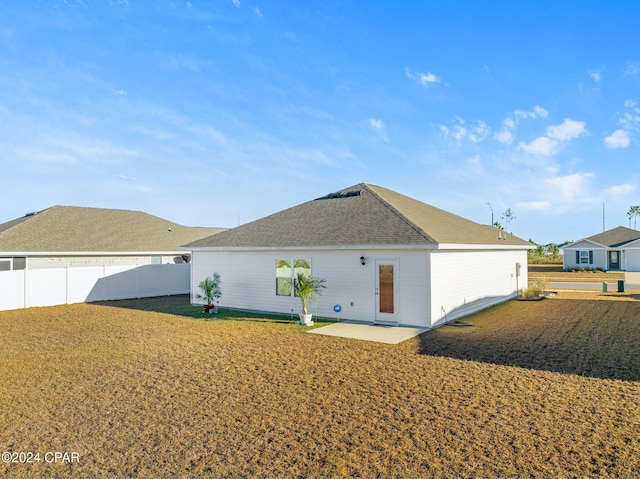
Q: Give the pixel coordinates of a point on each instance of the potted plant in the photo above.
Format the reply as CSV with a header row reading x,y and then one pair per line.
x,y
211,292
307,288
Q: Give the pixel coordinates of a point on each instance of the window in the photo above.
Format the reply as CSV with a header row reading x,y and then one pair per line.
x,y
19,262
584,257
286,274
15,263
283,277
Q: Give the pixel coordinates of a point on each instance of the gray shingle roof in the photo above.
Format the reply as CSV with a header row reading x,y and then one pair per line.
x,y
615,237
78,229
359,215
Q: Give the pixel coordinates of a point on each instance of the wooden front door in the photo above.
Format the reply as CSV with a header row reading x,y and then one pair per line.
x,y
386,295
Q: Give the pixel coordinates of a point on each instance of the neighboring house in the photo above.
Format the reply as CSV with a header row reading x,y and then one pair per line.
x,y
617,249
386,258
69,236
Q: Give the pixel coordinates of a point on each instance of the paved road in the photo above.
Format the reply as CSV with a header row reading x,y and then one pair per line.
x,y
611,285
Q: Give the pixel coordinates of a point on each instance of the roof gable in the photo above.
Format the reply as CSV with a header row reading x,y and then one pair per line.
x,y
77,229
360,215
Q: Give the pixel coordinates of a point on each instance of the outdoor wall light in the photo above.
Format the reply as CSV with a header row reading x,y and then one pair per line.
x,y
362,261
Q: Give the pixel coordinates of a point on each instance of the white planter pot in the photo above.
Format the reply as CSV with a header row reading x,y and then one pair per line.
x,y
305,319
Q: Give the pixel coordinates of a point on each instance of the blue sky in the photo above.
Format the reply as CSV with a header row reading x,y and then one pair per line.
x,y
216,113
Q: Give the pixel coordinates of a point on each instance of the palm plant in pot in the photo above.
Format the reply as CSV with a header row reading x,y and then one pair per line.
x,y
211,292
307,288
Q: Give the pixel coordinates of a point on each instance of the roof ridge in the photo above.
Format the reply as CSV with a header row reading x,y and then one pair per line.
x,y
398,213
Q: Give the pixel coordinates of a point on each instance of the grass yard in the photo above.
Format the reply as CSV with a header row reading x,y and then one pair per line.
x,y
141,389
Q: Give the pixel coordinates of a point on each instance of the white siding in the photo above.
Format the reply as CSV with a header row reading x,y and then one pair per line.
x,y
248,282
599,256
467,281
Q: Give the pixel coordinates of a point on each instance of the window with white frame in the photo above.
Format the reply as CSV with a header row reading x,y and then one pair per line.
x,y
286,272
584,257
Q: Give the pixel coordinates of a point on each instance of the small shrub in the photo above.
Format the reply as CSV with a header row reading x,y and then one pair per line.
x,y
536,289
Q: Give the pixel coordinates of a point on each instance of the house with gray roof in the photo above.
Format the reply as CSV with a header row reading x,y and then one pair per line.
x,y
71,236
617,249
386,258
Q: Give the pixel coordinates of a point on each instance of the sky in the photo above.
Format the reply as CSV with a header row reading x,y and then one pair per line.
x,y
220,112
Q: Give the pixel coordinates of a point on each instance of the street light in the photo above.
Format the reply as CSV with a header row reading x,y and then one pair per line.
x,y
491,212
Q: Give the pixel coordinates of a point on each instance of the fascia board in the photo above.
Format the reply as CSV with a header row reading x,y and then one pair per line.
x,y
459,247
90,253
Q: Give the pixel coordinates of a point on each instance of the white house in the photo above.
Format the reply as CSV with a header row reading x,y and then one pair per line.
x,y
386,258
617,249
73,236
68,254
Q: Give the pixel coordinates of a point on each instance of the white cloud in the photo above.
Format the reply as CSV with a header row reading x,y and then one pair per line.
x,y
632,68
534,205
75,3
541,146
512,120
236,2
476,132
570,187
504,136
257,11
377,124
596,75
567,130
630,103
124,177
617,139
424,79
623,189
510,123
119,92
539,112
479,132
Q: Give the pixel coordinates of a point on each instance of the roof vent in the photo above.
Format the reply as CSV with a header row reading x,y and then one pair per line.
x,y
32,213
346,194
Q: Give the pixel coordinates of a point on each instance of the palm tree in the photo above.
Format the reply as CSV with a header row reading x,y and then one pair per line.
x,y
210,288
633,212
307,288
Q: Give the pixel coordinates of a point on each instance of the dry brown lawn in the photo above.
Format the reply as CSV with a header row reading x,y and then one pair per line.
x,y
140,389
555,273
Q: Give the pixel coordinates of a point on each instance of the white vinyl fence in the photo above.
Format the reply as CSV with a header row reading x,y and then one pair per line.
x,y
49,287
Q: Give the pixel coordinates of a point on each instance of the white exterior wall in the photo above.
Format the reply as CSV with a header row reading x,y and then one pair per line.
x,y
248,281
465,282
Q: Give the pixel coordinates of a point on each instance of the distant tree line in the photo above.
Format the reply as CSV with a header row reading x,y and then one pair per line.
x,y
545,254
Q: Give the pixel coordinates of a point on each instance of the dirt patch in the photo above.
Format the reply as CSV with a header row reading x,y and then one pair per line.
x,y
142,389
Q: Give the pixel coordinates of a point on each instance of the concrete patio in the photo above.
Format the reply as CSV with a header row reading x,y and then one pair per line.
x,y
369,332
